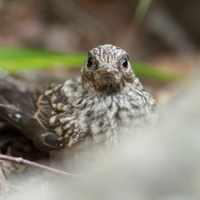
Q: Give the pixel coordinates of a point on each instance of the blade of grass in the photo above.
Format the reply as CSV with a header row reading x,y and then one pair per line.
x,y
141,11
136,21
15,60
145,70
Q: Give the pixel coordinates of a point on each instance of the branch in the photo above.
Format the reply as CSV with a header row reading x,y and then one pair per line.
x,y
25,162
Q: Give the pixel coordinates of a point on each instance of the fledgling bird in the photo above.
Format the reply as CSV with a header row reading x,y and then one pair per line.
x,y
91,107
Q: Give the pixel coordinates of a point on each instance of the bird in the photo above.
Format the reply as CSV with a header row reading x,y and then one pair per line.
x,y
92,107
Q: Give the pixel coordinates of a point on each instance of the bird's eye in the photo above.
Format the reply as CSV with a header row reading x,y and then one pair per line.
x,y
89,62
125,63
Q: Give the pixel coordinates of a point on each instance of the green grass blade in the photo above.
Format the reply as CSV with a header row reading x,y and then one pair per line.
x,y
141,11
15,60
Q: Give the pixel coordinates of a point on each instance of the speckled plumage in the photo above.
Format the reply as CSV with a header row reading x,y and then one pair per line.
x,y
107,96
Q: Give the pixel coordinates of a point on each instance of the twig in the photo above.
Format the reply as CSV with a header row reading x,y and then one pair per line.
x,y
25,162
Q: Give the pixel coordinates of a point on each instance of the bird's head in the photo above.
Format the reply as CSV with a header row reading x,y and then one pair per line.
x,y
107,69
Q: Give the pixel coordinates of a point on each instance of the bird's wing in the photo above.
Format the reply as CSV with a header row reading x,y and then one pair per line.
x,y
29,110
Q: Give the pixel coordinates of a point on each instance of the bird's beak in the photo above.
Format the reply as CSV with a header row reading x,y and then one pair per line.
x,y
107,69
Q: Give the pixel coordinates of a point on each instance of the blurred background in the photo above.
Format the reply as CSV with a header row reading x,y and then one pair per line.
x,y
146,28
48,40
164,34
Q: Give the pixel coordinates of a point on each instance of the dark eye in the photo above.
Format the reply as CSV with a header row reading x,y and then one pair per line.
x,y
89,62
125,63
